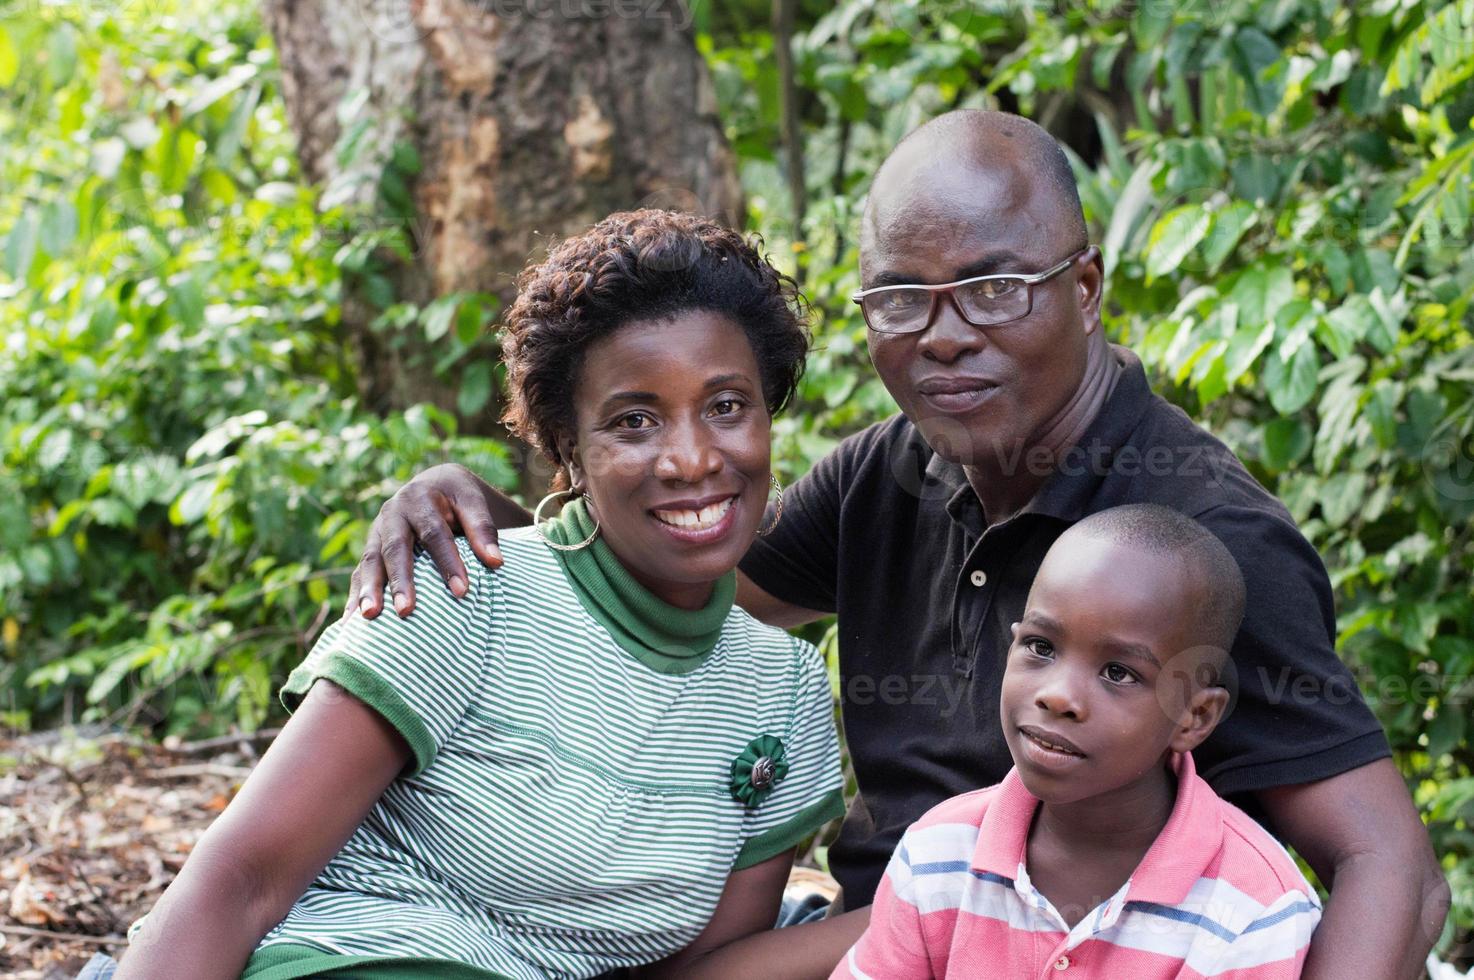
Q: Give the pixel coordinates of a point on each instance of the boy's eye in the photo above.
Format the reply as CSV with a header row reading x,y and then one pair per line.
x,y
1038,647
1117,674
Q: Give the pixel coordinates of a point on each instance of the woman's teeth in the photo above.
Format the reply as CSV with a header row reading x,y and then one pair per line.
x,y
697,520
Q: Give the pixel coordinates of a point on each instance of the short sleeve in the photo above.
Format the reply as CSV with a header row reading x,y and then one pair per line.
x,y
1297,714
420,673
893,944
797,561
811,792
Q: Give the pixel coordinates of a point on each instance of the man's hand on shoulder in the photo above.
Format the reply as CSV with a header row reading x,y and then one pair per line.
x,y
430,510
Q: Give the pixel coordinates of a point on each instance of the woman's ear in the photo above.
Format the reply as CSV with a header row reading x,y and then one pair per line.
x,y
568,453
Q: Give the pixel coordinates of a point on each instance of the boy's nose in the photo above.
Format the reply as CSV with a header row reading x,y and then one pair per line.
x,y
1057,696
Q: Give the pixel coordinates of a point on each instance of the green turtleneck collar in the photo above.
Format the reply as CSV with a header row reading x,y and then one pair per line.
x,y
663,637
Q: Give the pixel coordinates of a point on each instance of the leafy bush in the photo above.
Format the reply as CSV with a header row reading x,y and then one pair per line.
x,y
186,473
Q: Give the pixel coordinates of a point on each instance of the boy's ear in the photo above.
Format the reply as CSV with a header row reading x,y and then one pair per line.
x,y
1199,717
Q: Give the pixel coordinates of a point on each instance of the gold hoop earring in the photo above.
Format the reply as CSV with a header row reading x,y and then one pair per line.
x,y
537,522
777,509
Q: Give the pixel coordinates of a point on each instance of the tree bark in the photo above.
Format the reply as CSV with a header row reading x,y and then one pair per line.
x,y
532,119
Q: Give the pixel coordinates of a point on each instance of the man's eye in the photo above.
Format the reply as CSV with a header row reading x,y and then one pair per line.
x,y
995,288
1117,674
902,300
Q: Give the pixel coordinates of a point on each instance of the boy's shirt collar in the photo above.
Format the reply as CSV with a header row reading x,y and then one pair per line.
x,y
1187,846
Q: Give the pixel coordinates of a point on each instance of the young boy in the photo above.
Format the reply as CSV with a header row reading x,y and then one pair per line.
x,y
1102,853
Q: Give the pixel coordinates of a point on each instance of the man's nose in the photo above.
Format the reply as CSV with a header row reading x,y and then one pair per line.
x,y
688,455
949,336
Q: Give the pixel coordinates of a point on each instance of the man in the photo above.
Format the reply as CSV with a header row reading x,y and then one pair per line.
x,y
924,531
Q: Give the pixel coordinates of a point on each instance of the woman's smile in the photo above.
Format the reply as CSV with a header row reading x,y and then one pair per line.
x,y
697,521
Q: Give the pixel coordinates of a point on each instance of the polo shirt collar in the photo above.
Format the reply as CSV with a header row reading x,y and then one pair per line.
x,y
1188,844
1067,493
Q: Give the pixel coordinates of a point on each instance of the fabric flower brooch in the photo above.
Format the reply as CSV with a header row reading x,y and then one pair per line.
x,y
760,767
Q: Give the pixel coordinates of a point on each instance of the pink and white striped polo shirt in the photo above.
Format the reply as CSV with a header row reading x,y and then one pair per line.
x,y
1215,896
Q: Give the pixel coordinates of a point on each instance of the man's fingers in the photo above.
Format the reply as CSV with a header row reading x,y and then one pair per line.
x,y
352,594
399,562
367,595
435,537
475,521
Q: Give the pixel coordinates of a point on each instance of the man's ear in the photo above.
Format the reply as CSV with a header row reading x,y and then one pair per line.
x,y
1091,286
1198,719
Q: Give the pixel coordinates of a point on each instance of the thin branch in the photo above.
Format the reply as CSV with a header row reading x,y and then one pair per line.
x,y
75,937
793,137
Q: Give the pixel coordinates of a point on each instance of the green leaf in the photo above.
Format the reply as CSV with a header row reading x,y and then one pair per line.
x,y
1229,226
187,302
20,245
1340,497
1244,349
1261,292
1173,237
1286,441
193,503
1253,52
61,54
1447,729
475,388
1292,385
437,317
1381,411
9,62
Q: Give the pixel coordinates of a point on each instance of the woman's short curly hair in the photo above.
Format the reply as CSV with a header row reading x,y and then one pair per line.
x,y
640,265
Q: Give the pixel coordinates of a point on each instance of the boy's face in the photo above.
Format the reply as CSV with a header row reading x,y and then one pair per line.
x,y
1105,673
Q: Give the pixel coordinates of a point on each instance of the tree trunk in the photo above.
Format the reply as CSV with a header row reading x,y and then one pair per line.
x,y
532,119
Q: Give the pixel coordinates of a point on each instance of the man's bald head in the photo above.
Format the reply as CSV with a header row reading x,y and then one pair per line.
x,y
978,143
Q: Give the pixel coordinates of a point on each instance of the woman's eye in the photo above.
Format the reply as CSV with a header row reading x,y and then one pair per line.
x,y
1117,674
727,406
634,420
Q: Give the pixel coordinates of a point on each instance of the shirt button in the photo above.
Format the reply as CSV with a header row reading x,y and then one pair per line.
x,y
979,578
1063,963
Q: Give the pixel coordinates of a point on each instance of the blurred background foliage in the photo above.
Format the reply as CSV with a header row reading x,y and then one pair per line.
x,y
1281,189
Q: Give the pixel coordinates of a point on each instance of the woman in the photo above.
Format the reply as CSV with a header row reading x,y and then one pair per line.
x,y
590,760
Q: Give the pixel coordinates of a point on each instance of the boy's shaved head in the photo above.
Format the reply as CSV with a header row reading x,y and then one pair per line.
x,y
1207,564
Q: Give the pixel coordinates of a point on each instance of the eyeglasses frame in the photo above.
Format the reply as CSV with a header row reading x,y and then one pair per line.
x,y
946,289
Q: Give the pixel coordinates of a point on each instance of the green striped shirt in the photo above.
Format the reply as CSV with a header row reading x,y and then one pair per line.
x,y
569,810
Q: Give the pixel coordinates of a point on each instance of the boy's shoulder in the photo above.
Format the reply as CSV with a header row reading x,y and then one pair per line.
x,y
970,807
1252,860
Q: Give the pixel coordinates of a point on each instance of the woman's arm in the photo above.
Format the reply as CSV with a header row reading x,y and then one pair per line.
x,y
740,941
311,790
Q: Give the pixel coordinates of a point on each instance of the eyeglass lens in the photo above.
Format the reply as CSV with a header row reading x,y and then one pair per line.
x,y
984,302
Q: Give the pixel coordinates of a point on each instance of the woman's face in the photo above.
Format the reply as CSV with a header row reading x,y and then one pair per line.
x,y
672,449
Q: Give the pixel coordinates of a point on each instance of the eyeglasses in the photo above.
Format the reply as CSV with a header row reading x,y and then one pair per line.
x,y
983,301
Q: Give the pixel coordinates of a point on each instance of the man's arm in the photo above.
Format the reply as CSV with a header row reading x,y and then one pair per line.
x,y
740,940
312,789
1364,840
768,608
431,509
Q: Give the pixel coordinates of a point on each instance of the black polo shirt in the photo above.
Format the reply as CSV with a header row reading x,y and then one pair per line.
x,y
891,537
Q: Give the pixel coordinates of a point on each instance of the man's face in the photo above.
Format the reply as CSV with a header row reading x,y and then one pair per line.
x,y
979,395
1103,675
